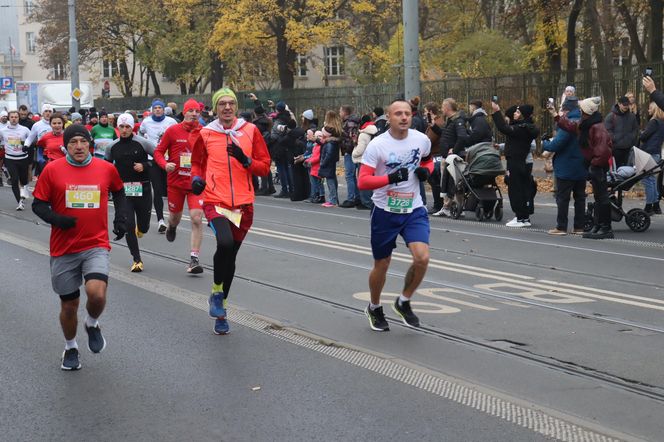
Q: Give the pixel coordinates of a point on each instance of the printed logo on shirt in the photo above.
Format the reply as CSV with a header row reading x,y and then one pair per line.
x,y
410,160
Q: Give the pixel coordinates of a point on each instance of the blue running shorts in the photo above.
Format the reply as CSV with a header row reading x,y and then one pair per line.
x,y
386,226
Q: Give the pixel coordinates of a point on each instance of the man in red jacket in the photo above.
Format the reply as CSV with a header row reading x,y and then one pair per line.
x,y
175,143
227,152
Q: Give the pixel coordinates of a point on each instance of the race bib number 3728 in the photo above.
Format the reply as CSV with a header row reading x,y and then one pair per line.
x,y
82,196
400,202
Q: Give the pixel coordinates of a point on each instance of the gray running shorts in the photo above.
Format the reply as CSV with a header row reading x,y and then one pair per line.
x,y
68,271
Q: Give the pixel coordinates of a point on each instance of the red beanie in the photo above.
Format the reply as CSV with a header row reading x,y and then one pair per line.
x,y
189,105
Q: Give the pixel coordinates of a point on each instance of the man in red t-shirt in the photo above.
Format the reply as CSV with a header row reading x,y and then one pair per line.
x,y
72,196
175,143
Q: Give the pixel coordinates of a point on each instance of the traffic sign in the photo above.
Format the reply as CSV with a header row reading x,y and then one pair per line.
x,y
6,85
76,94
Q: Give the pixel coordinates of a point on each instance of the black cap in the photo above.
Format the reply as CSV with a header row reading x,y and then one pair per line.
x,y
258,110
76,130
526,110
623,100
476,103
378,111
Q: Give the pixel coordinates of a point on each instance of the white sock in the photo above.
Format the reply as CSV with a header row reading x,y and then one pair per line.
x,y
373,306
403,299
91,322
70,344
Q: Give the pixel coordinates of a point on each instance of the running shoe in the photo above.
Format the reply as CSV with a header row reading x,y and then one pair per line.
x,y
195,266
25,194
557,232
403,309
139,234
444,212
328,204
377,320
221,327
162,226
170,233
70,360
21,205
137,267
217,304
96,342
518,223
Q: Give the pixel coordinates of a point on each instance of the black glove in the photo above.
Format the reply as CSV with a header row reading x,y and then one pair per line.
x,y
119,227
197,185
422,173
63,222
398,176
236,152
25,149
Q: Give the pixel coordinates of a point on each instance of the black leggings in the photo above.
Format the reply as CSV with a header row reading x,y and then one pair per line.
x,y
138,211
224,257
18,172
158,179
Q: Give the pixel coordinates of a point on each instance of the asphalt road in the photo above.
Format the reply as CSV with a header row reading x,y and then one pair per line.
x,y
516,324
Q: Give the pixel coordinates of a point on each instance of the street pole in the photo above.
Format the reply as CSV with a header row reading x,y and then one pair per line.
x,y
73,52
11,64
411,48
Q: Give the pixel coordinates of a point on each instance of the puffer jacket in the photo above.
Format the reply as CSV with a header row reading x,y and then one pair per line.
x,y
652,137
366,134
479,130
519,136
453,134
596,149
329,156
623,128
568,162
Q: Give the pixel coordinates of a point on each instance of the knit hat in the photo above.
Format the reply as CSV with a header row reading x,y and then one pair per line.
x,y
146,114
157,102
168,111
476,103
570,103
223,92
623,100
190,104
3,113
76,130
76,116
308,114
258,110
46,107
126,120
571,89
281,106
92,115
103,113
590,105
526,110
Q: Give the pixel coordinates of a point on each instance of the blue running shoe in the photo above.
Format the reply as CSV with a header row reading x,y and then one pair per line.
x,y
221,327
217,305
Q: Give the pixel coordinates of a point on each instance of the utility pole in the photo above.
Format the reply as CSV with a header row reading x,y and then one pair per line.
x,y
73,54
11,64
411,48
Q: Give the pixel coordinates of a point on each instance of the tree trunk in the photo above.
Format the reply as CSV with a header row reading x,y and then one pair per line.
x,y
286,59
553,50
656,16
127,86
604,64
183,87
216,72
571,39
155,83
632,30
193,85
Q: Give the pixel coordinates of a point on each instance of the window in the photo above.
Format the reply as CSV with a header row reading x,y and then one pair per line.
x,y
334,61
301,66
27,7
109,68
30,42
58,72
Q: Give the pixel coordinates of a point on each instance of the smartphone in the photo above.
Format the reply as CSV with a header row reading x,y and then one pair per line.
x,y
647,72
495,99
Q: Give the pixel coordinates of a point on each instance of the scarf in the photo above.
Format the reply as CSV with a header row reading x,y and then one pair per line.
x,y
158,119
218,127
584,128
189,126
74,163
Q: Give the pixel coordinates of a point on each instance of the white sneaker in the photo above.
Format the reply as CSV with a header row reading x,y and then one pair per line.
x,y
442,212
20,206
518,223
526,223
25,194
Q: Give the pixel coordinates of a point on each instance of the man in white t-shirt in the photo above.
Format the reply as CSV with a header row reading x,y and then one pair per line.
x,y
393,165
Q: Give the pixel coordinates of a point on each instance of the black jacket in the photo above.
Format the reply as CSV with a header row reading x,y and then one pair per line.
x,y
418,123
519,136
479,130
124,153
623,127
652,137
27,122
453,135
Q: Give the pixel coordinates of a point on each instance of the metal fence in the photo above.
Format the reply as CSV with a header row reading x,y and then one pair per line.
x,y
533,88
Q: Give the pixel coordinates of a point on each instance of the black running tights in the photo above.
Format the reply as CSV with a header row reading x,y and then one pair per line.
x,y
158,179
138,211
18,172
224,257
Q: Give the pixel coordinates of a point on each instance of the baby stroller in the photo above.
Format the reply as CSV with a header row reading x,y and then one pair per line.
x,y
623,180
476,189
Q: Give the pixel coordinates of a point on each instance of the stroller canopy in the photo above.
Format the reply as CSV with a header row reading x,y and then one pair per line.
x,y
484,159
643,161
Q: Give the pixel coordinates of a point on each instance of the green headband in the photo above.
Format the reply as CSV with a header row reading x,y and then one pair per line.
x,y
223,92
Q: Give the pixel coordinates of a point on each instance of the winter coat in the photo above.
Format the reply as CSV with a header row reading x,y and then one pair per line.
x,y
623,128
652,137
453,134
479,130
418,123
314,160
278,143
264,124
568,164
381,124
351,130
597,151
329,156
366,135
518,136
483,159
